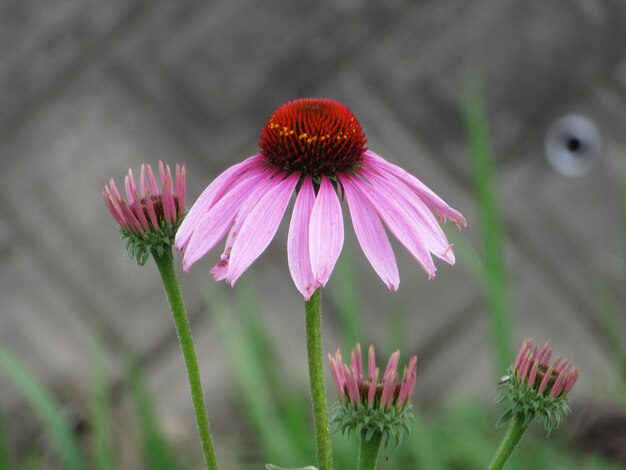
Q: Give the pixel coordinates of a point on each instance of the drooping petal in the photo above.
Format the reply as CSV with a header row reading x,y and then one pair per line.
x,y
371,235
298,241
260,227
325,232
436,204
400,222
430,230
212,227
220,270
211,195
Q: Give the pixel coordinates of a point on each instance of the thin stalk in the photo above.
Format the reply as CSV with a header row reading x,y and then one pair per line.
x,y
172,290
313,314
516,431
491,224
368,451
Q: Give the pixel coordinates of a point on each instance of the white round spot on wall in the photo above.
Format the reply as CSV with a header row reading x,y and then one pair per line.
x,y
573,145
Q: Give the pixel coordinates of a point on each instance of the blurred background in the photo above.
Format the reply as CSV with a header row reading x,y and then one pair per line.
x,y
469,96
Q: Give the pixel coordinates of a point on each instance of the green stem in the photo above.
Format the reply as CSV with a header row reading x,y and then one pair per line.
x,y
516,430
368,451
312,310
172,289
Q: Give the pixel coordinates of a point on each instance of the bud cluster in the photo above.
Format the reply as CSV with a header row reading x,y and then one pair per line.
x,y
373,403
538,388
148,218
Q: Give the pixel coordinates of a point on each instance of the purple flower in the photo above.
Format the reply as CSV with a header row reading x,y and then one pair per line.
x,y
537,387
148,217
148,209
316,147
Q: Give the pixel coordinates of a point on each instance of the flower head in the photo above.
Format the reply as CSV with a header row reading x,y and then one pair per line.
x,y
315,147
148,218
373,402
538,387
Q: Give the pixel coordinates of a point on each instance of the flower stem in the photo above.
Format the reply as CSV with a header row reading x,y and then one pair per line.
x,y
368,451
172,289
516,430
312,310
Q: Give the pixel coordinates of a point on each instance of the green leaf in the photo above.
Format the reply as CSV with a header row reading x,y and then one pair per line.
x,y
505,418
46,408
101,411
157,453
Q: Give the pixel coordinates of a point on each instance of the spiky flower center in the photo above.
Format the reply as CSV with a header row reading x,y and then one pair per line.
x,y
313,136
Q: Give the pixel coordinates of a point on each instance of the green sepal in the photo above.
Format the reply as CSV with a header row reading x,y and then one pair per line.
x,y
140,246
529,404
393,422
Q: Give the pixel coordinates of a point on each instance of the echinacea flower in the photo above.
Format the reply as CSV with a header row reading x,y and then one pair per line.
x,y
315,147
369,401
148,217
538,387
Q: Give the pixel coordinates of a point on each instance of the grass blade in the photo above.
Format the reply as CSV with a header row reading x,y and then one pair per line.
x,y
46,408
255,392
101,412
348,299
157,452
490,222
5,457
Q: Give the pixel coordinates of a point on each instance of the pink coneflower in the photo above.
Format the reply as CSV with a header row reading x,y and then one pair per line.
x,y
148,217
538,387
316,147
371,402
372,388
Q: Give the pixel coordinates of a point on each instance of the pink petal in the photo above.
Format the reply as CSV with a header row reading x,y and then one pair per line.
x,y
353,387
371,393
113,209
325,232
131,190
181,189
152,181
400,221
336,377
168,201
260,227
372,361
213,225
211,195
392,364
371,234
386,398
525,345
436,204
150,207
357,362
430,230
220,270
298,241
